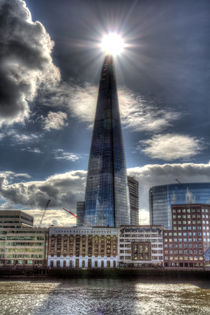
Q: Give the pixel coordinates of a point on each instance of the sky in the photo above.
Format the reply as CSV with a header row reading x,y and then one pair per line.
x,y
50,63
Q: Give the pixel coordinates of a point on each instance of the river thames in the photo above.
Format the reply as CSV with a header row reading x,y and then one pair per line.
x,y
100,297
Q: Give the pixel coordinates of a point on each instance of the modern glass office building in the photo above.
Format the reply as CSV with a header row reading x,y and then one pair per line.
x,y
162,197
106,198
133,187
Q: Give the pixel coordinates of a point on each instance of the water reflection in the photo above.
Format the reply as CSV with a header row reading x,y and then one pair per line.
x,y
101,297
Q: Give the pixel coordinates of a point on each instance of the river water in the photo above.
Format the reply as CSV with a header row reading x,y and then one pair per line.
x,y
100,297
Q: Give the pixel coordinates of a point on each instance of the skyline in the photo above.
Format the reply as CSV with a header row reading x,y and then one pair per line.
x,y
163,80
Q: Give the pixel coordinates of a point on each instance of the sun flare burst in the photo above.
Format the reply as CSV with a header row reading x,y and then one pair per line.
x,y
112,44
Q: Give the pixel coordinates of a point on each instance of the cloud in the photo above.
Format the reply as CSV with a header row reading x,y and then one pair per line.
x,y
170,147
64,190
57,217
60,154
139,114
55,120
7,177
23,138
136,112
25,61
144,217
19,138
32,150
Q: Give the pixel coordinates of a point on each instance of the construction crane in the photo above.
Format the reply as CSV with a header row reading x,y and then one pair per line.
x,y
74,215
47,205
70,212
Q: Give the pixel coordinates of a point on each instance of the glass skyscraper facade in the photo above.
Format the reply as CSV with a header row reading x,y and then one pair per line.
x,y
106,197
133,187
162,197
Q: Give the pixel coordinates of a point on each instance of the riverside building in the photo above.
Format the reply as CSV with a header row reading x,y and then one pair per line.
x,y
21,244
188,243
141,246
106,197
83,247
162,197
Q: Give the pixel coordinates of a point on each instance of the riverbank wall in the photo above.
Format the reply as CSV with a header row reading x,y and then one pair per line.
x,y
107,273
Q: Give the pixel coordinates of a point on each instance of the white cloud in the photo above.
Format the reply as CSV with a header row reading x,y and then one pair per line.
x,y
23,138
55,120
144,218
19,138
7,177
60,154
57,217
32,150
170,147
136,113
25,61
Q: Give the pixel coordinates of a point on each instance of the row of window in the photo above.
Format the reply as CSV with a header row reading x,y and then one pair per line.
x,y
189,216
191,222
186,251
190,210
183,258
186,234
152,258
189,228
182,245
183,240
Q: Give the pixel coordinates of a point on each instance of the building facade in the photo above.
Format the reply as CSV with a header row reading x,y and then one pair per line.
x,y
141,246
187,244
133,187
162,197
20,243
83,247
106,197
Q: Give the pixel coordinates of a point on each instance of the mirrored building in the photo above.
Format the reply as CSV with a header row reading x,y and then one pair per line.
x,y
162,197
106,198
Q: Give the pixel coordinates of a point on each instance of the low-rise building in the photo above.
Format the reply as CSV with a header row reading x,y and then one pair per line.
x,y
141,246
188,243
83,247
21,244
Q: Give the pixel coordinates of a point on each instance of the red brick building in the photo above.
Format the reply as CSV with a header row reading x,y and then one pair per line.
x,y
188,243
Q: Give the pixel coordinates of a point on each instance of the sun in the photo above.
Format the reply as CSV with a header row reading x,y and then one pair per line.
x,y
112,44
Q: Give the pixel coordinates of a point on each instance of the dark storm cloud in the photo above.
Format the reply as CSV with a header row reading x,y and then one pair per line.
x,y
25,60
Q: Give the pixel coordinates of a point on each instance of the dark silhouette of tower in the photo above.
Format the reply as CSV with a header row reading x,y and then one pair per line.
x,y
106,198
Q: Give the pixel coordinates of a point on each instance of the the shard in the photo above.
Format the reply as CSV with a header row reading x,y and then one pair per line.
x,y
106,197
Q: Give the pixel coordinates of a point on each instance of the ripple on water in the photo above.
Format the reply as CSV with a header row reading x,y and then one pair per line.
x,y
101,297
